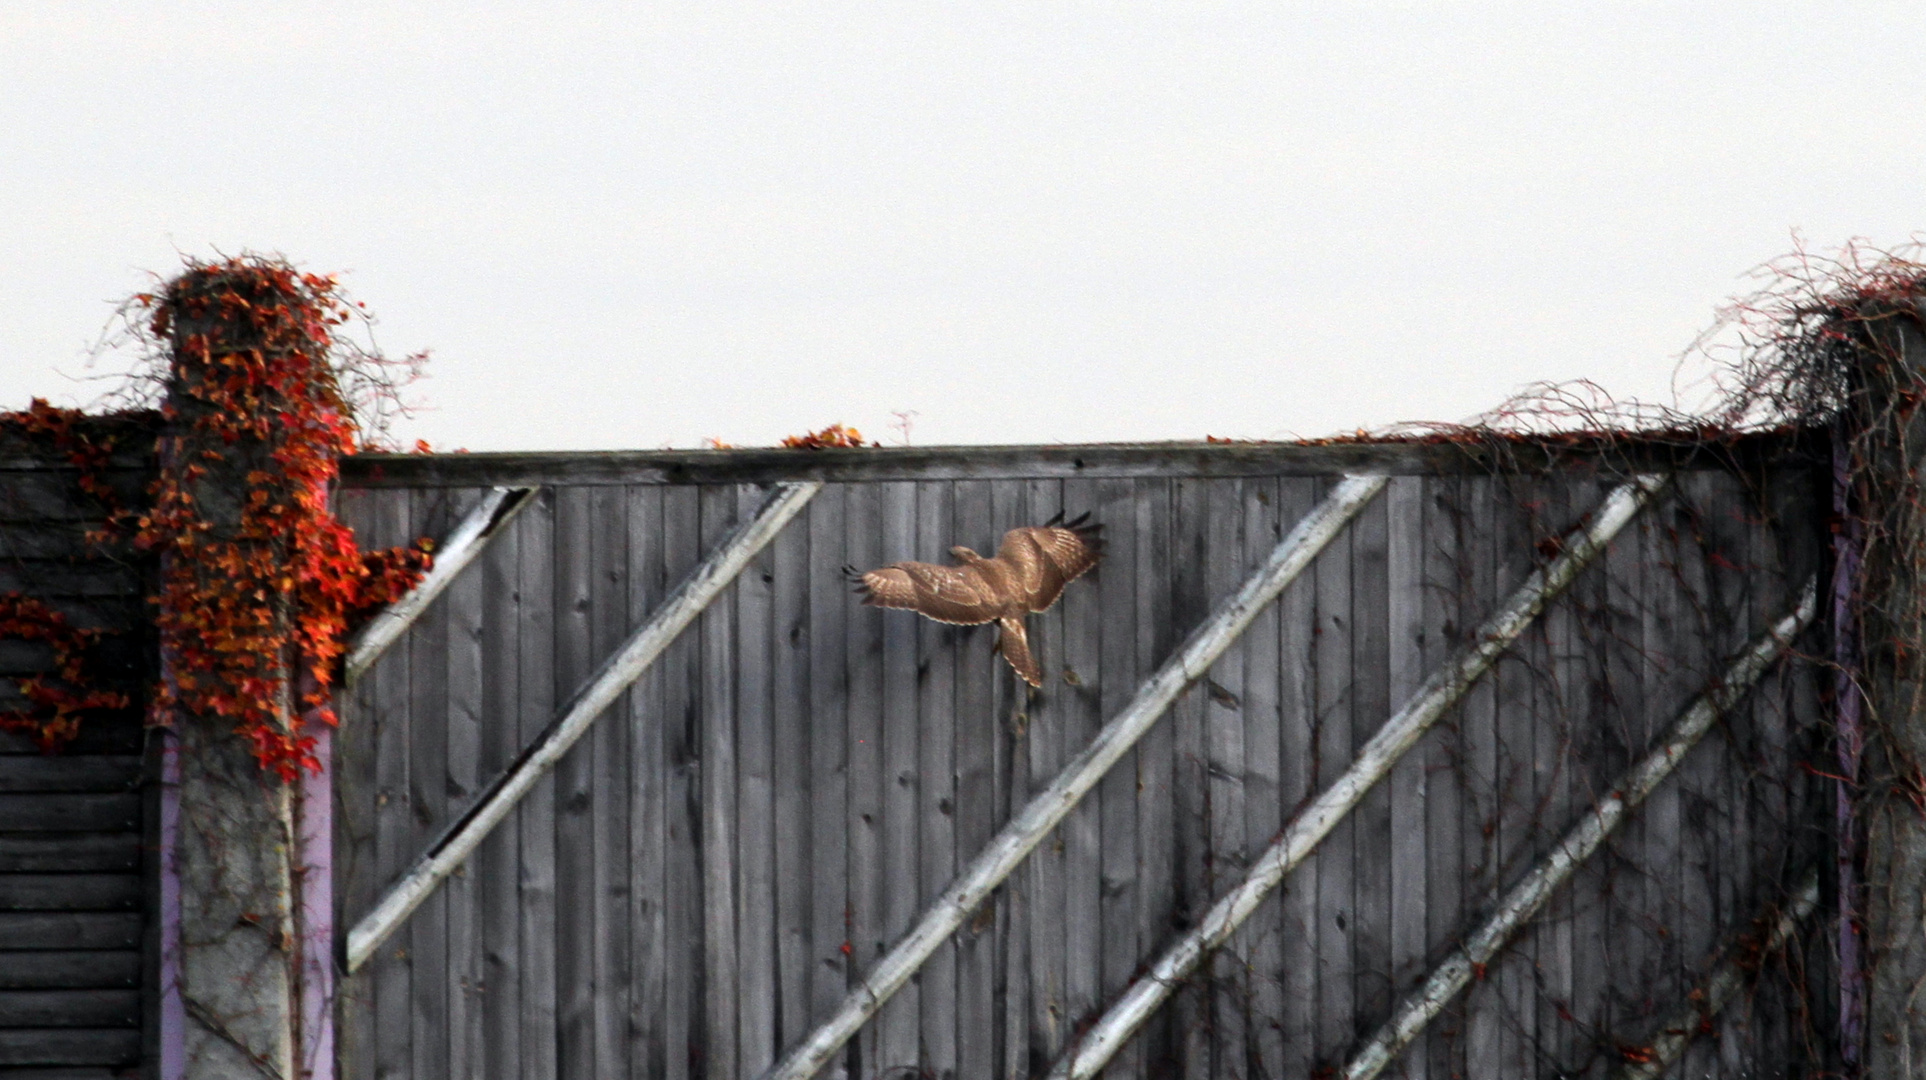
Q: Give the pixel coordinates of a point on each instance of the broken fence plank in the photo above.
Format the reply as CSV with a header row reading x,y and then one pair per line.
x,y
484,522
1529,895
1304,833
467,832
1028,828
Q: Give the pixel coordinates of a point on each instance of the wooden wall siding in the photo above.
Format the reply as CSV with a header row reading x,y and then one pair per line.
x,y
74,827
770,806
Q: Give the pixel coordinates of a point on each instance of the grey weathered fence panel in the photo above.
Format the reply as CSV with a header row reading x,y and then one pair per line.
x,y
770,805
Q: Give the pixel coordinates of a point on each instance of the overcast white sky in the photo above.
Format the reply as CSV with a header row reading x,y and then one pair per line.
x,y
643,224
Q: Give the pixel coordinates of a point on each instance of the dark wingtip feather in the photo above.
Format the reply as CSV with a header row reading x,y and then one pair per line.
x,y
1090,532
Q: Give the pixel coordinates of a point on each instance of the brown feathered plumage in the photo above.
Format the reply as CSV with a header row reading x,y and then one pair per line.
x,y
1028,574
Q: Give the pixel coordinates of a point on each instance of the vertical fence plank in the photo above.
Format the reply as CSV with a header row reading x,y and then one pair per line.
x,y
1701,635
863,522
1560,697
1156,639
1405,671
1077,679
1371,704
1523,837
1741,885
1009,508
1629,971
354,828
1265,518
1336,911
1443,754
575,947
1556,696
790,649
1594,755
1768,720
1226,567
499,861
1514,793
648,782
427,936
537,815
466,716
1664,676
609,625
721,967
976,783
388,715
1483,868
1048,718
678,672
830,605
1190,603
899,1025
1297,775
938,729
755,847
1116,613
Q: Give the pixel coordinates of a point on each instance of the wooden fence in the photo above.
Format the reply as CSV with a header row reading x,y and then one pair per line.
x,y
711,869
78,949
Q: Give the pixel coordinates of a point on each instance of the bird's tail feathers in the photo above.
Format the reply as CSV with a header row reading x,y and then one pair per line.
x,y
1014,643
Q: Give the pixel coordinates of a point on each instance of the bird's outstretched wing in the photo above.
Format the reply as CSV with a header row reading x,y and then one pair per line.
x,y
951,594
1042,559
1014,644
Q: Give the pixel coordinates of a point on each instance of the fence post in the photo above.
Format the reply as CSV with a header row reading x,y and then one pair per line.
x,y
1880,717
230,967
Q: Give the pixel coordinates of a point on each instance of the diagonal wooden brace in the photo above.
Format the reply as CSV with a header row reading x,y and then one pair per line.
x,y
466,832
483,523
1445,686
1712,996
1527,897
1006,851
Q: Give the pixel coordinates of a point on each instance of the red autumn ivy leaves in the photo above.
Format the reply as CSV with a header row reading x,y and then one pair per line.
x,y
833,436
255,607
59,696
266,600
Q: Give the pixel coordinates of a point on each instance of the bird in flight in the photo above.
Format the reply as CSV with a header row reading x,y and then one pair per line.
x,y
1031,567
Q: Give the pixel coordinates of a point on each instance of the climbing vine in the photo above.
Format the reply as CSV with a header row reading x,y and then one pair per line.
x,y
59,696
257,594
87,447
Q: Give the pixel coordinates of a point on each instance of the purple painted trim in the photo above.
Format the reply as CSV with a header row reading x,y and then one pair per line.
x,y
173,1013
314,872
314,894
1850,736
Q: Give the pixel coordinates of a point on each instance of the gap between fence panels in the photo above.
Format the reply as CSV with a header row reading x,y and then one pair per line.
x,y
498,799
1528,897
1444,686
1296,551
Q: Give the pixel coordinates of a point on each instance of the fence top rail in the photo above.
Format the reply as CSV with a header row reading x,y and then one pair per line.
x,y
1174,459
